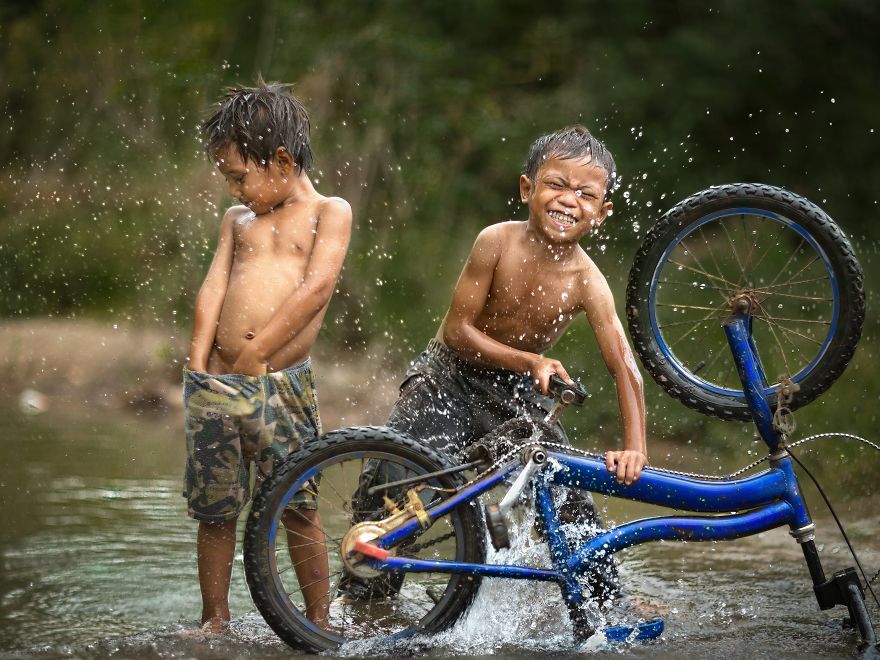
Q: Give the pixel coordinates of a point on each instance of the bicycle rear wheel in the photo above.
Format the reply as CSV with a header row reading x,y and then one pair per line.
x,y
284,549
776,248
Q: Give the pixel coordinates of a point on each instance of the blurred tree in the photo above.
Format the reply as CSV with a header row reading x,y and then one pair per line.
x,y
422,114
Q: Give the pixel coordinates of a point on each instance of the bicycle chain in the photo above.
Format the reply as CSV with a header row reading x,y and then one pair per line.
x,y
418,547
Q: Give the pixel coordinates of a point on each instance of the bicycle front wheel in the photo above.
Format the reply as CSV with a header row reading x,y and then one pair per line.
x,y
778,250
293,552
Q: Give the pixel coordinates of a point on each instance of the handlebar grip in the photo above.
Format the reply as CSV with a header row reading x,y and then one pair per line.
x,y
567,393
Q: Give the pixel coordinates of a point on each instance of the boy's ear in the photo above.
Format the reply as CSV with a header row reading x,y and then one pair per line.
x,y
284,161
604,212
525,188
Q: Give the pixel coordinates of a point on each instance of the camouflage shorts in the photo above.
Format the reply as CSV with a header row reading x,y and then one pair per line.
x,y
232,421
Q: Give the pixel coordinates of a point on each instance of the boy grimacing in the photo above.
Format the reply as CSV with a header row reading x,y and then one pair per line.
x,y
249,390
523,284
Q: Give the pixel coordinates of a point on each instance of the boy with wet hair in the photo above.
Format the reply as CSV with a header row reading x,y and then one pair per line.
x,y
523,284
249,390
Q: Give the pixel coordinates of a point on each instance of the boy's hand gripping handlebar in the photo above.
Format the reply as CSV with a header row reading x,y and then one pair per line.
x,y
564,394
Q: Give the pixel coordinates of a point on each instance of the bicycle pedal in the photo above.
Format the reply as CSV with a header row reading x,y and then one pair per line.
x,y
497,527
644,630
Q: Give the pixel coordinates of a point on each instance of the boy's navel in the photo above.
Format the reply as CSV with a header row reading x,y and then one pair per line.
x,y
249,335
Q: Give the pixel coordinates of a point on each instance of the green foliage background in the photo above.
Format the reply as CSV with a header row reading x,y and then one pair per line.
x,y
422,113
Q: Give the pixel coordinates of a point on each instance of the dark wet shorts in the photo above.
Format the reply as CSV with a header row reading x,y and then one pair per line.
x,y
232,421
449,402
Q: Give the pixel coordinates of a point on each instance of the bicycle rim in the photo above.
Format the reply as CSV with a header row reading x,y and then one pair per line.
x,y
390,604
733,252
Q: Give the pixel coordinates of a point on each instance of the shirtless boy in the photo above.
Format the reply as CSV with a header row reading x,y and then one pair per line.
x,y
249,390
523,284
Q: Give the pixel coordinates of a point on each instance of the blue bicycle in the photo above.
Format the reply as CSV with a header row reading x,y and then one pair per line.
x,y
767,266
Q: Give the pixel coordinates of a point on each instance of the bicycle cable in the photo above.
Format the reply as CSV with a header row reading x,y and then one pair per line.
x,y
836,520
714,477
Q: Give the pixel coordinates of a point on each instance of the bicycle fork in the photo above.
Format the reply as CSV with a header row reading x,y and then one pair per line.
x,y
844,587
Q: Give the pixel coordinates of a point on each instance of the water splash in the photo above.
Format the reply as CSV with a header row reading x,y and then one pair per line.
x,y
517,613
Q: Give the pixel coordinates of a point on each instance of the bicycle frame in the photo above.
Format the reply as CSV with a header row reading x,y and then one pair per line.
x,y
743,507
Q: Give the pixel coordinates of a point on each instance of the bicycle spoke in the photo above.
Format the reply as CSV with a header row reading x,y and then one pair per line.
x,y
789,320
789,330
793,295
821,278
287,567
772,241
790,259
748,265
672,324
294,564
785,334
803,269
711,253
693,254
342,498
699,307
778,345
735,253
321,579
697,324
732,285
335,541
690,285
298,545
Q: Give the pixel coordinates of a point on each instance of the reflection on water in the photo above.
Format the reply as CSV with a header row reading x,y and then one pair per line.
x,y
98,558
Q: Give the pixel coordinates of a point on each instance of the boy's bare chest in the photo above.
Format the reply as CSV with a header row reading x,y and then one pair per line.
x,y
279,237
534,291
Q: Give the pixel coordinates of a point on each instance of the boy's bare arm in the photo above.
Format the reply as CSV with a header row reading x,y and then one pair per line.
x,y
319,281
599,307
209,301
468,300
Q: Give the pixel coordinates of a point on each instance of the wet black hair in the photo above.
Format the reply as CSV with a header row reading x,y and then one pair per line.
x,y
258,120
571,142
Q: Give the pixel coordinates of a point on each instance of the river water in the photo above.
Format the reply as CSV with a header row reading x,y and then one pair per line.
x,y
98,559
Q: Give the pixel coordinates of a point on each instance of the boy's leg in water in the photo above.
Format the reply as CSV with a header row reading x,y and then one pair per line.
x,y
214,484
307,545
215,548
